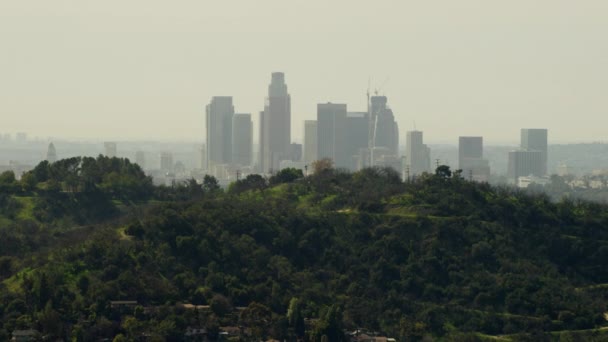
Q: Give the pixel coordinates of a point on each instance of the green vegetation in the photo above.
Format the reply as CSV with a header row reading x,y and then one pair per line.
x,y
296,257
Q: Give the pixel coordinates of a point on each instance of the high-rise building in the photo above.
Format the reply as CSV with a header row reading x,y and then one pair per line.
x,y
310,141
219,113
356,139
535,139
110,149
470,159
140,159
331,133
51,154
295,152
418,155
525,163
275,125
382,125
242,139
166,162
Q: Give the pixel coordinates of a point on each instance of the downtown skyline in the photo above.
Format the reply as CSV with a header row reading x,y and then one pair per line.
x,y
82,70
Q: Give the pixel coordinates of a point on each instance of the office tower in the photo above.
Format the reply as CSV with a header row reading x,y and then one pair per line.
x,y
219,113
295,152
525,163
331,132
275,125
535,139
418,155
110,149
242,139
166,162
382,125
51,154
140,159
470,159
356,138
310,141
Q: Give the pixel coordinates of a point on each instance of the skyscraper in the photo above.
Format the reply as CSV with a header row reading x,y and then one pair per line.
x,y
330,132
219,115
418,155
535,139
356,139
310,141
525,163
383,125
470,159
275,125
51,154
242,139
110,149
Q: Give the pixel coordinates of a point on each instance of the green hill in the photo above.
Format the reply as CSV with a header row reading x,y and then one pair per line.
x,y
294,257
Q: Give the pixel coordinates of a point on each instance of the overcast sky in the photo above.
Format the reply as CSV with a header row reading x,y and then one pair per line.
x,y
145,69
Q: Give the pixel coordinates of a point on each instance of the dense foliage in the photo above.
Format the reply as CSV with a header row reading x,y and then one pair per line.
x,y
296,257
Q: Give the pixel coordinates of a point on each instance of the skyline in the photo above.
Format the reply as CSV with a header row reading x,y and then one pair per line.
x,y
146,70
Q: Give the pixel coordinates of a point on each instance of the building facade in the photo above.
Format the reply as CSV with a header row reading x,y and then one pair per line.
x,y
242,139
535,139
525,163
356,139
331,132
470,159
310,141
219,114
383,126
418,155
275,125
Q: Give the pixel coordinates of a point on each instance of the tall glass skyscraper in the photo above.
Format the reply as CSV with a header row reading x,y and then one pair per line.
x,y
275,125
219,130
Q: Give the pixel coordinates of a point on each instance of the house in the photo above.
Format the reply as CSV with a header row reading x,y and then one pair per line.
x,y
195,334
25,335
194,307
119,304
228,332
361,335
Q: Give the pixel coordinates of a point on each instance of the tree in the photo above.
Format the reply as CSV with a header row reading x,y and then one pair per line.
x,y
322,165
329,326
287,175
295,317
211,184
8,183
220,305
443,171
257,317
28,181
251,182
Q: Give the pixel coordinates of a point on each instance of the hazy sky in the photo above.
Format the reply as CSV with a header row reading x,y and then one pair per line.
x,y
134,69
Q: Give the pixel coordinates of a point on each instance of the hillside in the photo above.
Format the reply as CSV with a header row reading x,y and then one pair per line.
x,y
294,257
